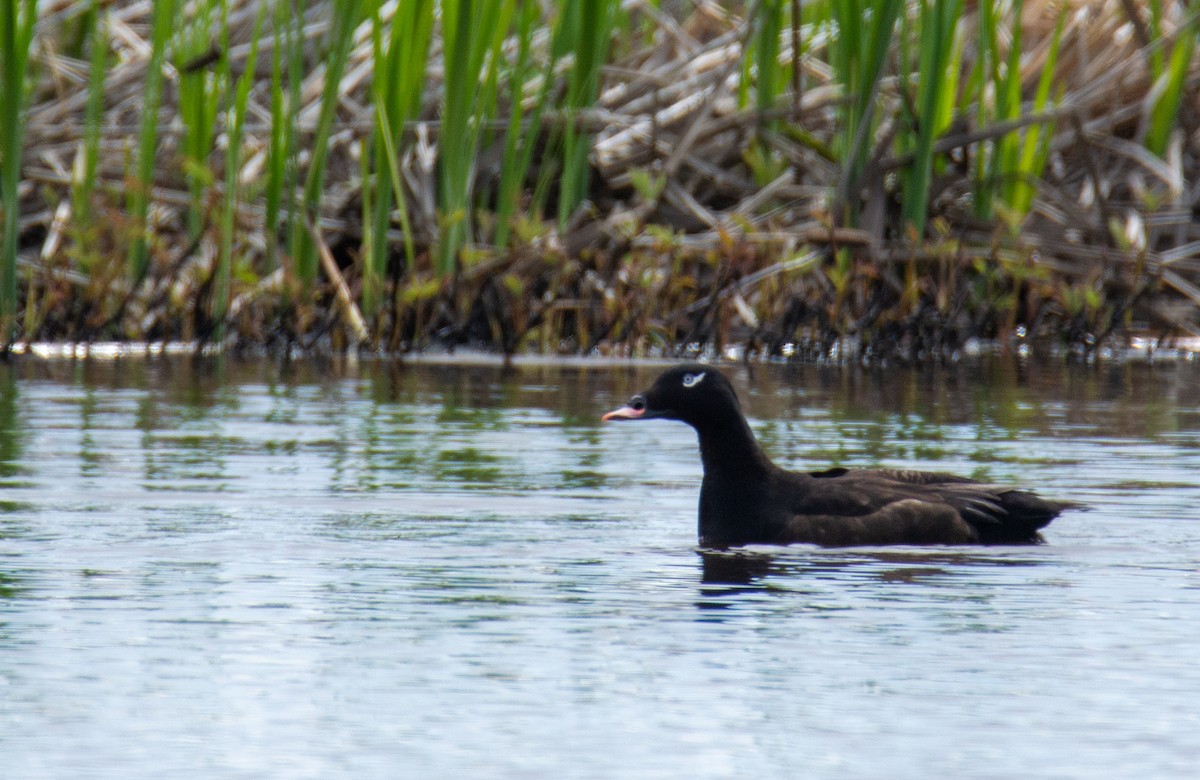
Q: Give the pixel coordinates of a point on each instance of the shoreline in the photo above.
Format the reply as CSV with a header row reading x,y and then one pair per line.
x,y
1139,349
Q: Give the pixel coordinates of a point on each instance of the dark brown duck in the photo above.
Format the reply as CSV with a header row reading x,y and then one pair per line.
x,y
747,499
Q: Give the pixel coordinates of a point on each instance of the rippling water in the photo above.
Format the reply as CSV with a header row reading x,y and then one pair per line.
x,y
244,570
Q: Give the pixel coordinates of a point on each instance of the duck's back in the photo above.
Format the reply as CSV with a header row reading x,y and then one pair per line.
x,y
842,507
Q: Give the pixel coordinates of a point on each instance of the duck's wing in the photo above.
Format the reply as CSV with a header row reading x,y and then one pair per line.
x,y
1001,514
994,514
907,521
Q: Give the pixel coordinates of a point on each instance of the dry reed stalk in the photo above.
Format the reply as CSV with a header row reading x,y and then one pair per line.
x,y
354,318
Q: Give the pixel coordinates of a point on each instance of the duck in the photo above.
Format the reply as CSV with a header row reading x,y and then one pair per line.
x,y
746,499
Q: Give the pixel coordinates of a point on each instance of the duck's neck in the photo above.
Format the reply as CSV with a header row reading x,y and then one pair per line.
x,y
735,486
728,449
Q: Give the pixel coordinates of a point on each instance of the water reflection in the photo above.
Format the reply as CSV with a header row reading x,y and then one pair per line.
x,y
736,567
751,567
11,435
385,426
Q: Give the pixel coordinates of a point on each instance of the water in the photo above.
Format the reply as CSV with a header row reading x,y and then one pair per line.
x,y
228,570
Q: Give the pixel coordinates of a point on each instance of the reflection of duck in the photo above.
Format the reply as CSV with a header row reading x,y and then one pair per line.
x,y
735,568
749,566
747,499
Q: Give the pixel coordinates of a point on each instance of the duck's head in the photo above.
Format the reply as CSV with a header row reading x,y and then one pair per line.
x,y
691,393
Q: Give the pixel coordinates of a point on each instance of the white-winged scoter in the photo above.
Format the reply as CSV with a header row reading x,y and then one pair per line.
x,y
747,499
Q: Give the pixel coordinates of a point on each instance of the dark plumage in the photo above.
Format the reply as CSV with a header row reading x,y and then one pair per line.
x,y
747,499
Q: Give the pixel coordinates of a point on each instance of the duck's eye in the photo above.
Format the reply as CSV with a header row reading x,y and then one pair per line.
x,y
637,403
691,380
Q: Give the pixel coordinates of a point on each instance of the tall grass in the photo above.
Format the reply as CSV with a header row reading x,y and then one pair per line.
x,y
235,121
1170,79
511,131
1007,169
81,192
199,98
472,31
939,54
765,50
1006,82
862,38
400,52
930,38
138,203
1025,171
17,21
346,15
585,29
518,143
279,190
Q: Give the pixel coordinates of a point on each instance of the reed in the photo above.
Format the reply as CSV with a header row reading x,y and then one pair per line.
x,y
936,75
199,98
1007,84
518,142
906,145
862,38
585,30
399,51
138,203
472,32
235,122
1168,89
17,21
1154,33
346,15
1035,143
984,72
279,191
764,52
1008,168
81,191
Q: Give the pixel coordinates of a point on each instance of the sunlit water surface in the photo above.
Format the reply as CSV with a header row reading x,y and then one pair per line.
x,y
228,570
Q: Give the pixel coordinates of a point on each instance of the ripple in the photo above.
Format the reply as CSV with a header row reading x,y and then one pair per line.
x,y
439,571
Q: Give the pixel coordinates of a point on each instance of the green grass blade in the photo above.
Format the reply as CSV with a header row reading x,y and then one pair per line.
x,y
376,201
16,33
1170,88
397,87
983,74
518,145
859,52
235,120
81,192
199,97
590,34
1154,30
471,30
291,159
769,27
938,21
346,15
139,195
1003,165
277,152
1035,145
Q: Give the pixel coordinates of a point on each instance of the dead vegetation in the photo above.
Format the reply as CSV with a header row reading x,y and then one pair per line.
x,y
708,222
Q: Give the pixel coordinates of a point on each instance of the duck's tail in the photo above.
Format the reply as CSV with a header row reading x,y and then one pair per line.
x,y
1023,515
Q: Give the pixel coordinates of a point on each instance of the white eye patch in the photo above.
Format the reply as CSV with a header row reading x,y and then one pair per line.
x,y
691,380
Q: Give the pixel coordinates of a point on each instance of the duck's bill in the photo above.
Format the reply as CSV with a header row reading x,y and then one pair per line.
x,y
624,413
